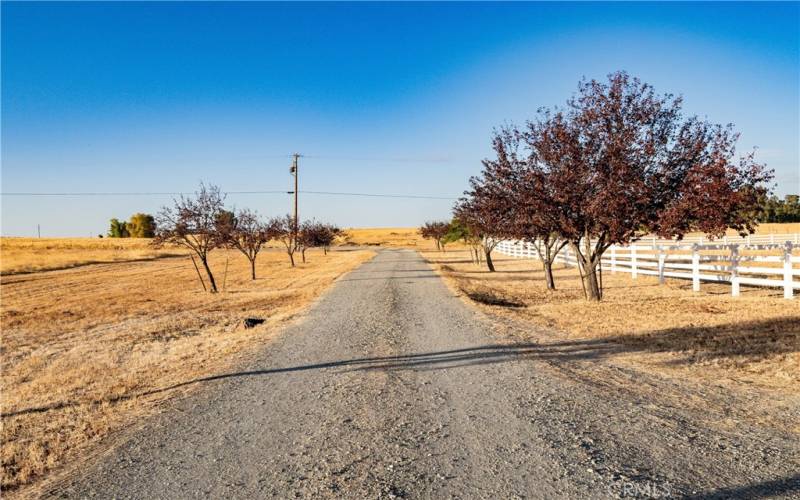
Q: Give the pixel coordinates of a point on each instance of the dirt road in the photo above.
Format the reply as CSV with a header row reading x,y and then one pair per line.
x,y
392,387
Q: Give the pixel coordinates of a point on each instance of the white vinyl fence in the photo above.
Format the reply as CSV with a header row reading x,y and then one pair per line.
x,y
763,260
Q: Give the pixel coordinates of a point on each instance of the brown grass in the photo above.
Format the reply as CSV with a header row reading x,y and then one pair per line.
x,y
775,228
405,237
81,346
408,237
754,338
25,255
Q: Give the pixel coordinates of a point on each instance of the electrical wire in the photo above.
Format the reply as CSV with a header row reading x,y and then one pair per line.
x,y
179,193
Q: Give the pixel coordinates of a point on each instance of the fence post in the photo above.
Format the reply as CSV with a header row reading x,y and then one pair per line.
x,y
747,239
695,267
735,270
633,260
772,238
787,271
613,258
725,239
661,258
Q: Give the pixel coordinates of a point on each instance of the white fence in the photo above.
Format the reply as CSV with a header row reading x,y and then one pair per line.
x,y
766,260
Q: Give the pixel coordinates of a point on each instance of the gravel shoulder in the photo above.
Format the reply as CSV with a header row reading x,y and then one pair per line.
x,y
392,387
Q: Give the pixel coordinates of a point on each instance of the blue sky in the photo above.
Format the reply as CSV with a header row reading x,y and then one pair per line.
x,y
382,98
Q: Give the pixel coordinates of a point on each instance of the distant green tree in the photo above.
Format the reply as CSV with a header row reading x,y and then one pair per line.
x,y
118,229
141,226
774,209
456,231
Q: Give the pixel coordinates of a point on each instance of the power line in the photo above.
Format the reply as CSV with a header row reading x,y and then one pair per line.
x,y
400,159
139,193
375,195
178,193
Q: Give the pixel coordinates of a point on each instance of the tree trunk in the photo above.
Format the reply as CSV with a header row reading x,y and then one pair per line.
x,y
213,284
291,257
303,253
548,274
590,281
489,262
547,259
253,268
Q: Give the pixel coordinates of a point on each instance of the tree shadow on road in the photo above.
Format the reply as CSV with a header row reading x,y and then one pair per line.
x,y
744,340
501,352
788,486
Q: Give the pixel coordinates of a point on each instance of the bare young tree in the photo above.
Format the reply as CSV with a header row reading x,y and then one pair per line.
x,y
327,236
248,233
192,223
283,230
308,236
315,234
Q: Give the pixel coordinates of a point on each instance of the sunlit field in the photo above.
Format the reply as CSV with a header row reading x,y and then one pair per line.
x,y
24,255
87,350
407,237
753,338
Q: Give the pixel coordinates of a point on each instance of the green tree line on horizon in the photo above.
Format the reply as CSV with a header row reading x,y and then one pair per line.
x,y
773,209
140,225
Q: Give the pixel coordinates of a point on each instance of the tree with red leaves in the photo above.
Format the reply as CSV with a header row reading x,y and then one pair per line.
x,y
532,205
435,231
487,209
621,162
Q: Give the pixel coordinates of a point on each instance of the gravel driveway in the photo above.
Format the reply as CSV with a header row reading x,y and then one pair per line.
x,y
392,387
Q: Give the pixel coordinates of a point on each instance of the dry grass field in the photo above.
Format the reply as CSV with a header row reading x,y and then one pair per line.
x,y
97,333
775,228
89,350
754,338
406,237
24,255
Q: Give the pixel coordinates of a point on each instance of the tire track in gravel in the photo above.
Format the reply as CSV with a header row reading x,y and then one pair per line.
x,y
391,387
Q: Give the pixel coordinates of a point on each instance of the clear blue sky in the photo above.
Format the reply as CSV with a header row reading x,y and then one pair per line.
x,y
383,98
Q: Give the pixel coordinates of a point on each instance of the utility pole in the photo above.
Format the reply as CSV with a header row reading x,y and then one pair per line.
x,y
39,230
294,172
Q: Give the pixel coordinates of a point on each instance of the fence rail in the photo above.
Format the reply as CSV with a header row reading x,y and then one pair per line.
x,y
764,260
